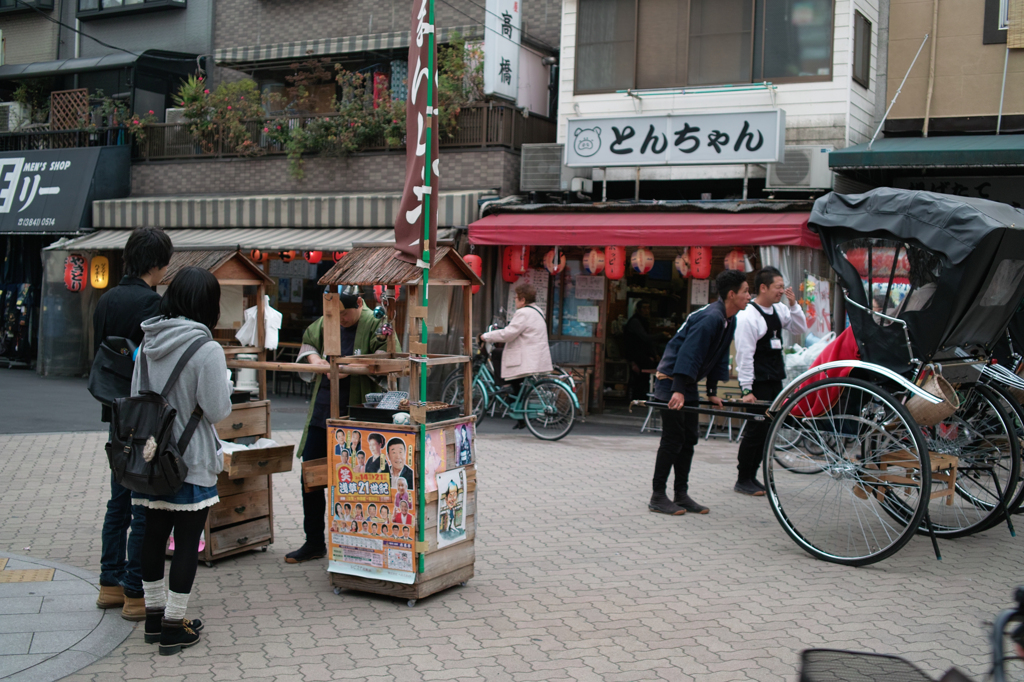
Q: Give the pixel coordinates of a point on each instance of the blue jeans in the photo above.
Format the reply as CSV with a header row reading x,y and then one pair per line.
x,y
117,542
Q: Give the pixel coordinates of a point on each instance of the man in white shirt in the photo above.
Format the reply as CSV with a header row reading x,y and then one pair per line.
x,y
760,363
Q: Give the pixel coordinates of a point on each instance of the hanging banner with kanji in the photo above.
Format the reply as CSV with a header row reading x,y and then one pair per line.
x,y
413,209
372,514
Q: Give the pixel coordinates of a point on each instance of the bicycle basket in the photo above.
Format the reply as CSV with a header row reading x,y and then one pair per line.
x,y
834,665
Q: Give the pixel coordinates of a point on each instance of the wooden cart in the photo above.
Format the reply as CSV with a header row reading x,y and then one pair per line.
x,y
243,520
435,568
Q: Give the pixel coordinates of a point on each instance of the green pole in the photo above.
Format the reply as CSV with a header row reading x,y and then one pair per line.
x,y
425,298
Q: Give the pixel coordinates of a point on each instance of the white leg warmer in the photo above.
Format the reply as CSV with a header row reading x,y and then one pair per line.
x,y
176,605
156,594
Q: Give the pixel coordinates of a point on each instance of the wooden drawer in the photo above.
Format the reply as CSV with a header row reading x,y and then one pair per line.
x,y
246,419
238,508
259,462
242,535
236,486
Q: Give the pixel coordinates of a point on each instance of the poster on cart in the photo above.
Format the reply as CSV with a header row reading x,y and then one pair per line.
x,y
451,507
371,513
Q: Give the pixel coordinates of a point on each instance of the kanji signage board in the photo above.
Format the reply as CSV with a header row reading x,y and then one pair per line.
x,y
51,191
677,139
502,22
372,494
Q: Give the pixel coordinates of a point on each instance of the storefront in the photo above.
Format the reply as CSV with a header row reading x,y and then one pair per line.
x,y
283,229
45,195
591,303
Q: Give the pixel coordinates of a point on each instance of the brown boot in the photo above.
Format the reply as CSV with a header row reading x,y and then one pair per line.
x,y
110,597
134,608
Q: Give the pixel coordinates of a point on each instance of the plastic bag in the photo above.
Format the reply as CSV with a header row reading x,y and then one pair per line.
x,y
801,361
272,320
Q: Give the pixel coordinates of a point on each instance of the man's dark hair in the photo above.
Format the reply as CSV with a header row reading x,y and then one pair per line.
x,y
765,276
195,294
147,248
377,438
729,281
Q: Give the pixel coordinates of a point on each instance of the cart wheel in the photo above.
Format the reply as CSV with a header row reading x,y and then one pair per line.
x,y
1016,412
549,410
462,584
411,603
337,590
263,548
869,451
209,564
981,437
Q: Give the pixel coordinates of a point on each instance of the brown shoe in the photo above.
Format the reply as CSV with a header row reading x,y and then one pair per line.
x,y
110,597
134,608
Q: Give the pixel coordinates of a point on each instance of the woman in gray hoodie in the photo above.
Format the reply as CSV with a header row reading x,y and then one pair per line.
x,y
189,311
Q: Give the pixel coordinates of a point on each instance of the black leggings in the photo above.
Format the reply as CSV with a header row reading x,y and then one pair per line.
x,y
188,526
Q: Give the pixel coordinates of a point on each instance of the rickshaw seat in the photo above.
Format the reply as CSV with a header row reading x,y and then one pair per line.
x,y
844,347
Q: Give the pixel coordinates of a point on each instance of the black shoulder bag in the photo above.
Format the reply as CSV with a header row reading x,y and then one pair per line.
x,y
111,375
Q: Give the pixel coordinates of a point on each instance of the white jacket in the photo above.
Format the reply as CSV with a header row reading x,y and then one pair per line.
x,y
526,344
750,327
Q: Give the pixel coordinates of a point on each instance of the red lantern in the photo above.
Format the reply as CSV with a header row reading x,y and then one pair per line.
x,y
614,262
338,255
642,260
76,270
593,261
476,264
520,259
700,262
549,262
378,292
506,266
683,263
734,260
313,257
287,256
258,256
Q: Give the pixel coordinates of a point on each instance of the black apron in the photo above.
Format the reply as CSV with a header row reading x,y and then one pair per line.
x,y
768,362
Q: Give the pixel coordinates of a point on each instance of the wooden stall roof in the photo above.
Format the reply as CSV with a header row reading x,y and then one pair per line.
x,y
372,265
227,265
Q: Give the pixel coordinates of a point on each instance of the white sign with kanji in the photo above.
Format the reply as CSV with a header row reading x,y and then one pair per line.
x,y
501,48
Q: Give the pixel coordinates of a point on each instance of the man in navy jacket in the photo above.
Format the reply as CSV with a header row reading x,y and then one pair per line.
x,y
699,350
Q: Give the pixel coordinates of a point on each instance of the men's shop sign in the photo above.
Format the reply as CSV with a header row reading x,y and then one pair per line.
x,y
51,191
677,140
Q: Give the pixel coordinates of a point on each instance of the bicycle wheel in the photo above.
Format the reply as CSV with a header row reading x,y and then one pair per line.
x,y
452,393
807,459
1016,412
549,410
981,438
870,448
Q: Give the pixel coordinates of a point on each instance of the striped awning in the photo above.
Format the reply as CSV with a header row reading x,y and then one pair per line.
x,y
303,49
280,239
455,209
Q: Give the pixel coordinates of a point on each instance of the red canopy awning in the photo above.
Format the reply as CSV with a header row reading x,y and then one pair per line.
x,y
644,229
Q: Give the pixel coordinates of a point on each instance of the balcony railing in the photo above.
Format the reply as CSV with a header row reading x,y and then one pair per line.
x,y
34,140
479,125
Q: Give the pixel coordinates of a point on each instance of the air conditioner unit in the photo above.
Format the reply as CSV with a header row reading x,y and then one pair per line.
x,y
805,167
176,115
13,116
542,170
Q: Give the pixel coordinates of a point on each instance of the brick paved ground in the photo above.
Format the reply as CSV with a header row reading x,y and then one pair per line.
x,y
575,580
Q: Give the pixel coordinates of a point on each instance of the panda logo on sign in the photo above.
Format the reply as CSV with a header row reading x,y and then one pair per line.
x,y
587,141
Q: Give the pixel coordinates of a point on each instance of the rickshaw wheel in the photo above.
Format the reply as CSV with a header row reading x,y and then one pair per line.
x,y
867,447
981,436
1016,412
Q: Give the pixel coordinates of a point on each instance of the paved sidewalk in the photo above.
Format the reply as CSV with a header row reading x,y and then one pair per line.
x,y
575,580
49,624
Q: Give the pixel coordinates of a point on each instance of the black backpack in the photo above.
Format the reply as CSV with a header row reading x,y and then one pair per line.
x,y
149,419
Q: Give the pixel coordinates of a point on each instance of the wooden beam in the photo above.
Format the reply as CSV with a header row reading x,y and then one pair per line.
x,y
332,325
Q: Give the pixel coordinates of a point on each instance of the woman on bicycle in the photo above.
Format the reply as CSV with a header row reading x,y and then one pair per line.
x,y
526,342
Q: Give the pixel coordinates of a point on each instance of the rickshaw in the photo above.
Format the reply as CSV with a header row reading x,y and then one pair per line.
x,y
914,429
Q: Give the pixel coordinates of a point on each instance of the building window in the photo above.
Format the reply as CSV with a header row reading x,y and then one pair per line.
x,y
997,18
649,44
861,50
98,9
11,6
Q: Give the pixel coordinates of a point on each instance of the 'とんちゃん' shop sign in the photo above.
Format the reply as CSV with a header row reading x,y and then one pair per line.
x,y
677,140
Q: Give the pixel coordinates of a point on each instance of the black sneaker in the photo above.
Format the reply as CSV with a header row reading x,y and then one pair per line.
x,y
686,502
758,484
154,620
749,487
175,635
520,424
662,505
305,553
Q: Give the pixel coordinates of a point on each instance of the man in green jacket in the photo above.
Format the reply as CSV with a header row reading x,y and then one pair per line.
x,y
359,336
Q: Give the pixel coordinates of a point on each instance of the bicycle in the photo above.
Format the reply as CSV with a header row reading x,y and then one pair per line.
x,y
547,403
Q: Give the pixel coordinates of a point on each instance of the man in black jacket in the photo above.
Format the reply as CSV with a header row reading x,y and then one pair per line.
x,y
700,349
121,312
